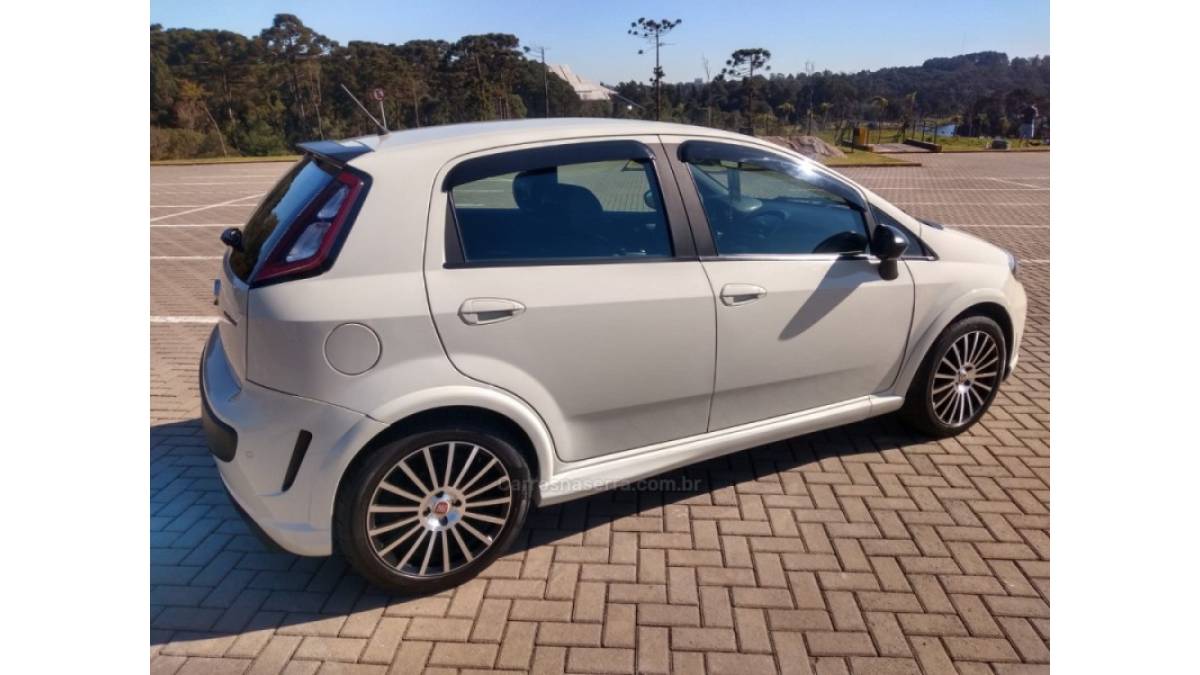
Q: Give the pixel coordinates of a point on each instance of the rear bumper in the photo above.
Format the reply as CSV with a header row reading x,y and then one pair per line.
x,y
252,432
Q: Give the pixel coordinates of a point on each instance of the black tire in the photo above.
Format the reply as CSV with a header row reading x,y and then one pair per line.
x,y
352,520
922,403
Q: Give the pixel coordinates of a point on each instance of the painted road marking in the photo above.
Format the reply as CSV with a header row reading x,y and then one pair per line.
x,y
207,320
210,206
1030,188
196,224
186,257
1015,227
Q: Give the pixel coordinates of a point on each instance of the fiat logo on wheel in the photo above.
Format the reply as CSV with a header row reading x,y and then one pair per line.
x,y
441,508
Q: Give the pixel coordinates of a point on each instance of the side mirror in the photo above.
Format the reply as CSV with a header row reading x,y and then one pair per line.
x,y
887,243
232,237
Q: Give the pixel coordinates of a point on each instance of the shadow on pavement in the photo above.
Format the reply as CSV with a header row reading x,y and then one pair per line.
x,y
211,577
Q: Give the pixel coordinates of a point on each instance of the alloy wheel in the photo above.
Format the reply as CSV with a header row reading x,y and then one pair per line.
x,y
439,508
965,378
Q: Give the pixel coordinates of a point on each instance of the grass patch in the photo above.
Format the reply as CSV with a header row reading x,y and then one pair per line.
x,y
225,160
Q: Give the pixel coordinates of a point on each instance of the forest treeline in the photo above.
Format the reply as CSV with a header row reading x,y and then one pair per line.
x,y
217,92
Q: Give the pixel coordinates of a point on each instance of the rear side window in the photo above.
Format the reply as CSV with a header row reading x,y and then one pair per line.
x,y
277,211
601,210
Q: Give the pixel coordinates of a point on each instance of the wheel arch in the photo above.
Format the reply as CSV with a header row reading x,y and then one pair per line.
x,y
431,408
993,306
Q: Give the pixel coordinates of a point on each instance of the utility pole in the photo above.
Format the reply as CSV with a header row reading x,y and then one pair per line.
x,y
545,72
809,69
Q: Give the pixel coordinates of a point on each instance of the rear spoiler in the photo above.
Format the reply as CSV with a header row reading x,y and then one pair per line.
x,y
338,152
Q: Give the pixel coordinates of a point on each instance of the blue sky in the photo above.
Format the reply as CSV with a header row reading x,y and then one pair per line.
x,y
590,36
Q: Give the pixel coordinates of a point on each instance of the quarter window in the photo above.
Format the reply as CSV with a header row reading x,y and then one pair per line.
x,y
772,208
602,210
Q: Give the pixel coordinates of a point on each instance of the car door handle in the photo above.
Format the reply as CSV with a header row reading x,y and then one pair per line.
x,y
741,294
482,311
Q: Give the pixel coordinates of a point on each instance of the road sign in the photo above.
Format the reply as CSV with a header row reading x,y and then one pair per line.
x,y
377,94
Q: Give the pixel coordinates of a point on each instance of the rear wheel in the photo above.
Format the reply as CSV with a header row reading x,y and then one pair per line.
x,y
958,379
432,510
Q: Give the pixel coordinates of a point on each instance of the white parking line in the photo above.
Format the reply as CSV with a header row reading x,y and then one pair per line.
x,y
154,184
188,206
1017,227
210,206
897,201
208,320
186,257
1013,182
196,224
1030,188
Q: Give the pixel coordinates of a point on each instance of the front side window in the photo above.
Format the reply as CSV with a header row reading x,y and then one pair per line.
x,y
772,207
602,210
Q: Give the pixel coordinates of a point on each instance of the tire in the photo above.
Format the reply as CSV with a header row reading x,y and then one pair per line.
x,y
966,364
418,533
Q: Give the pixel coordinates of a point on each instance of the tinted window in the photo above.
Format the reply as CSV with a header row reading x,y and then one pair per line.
x,y
285,201
600,210
753,208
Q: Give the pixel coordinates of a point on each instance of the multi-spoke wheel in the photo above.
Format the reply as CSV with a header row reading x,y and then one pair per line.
x,y
958,379
432,510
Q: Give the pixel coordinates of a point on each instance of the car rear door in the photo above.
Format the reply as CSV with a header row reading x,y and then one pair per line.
x,y
566,274
804,317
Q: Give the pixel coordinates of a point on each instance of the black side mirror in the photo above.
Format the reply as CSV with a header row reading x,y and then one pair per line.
x,y
232,237
888,245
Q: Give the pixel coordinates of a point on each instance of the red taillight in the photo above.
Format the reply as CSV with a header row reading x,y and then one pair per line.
x,y
311,241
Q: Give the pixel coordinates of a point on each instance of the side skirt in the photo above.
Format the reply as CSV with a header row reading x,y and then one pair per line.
x,y
580,479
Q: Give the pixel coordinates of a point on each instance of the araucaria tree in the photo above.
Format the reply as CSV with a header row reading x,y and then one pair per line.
x,y
652,32
744,63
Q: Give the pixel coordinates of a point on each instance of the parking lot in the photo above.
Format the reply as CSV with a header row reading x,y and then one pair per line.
x,y
863,549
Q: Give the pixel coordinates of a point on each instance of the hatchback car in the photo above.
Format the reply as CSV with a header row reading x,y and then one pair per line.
x,y
425,333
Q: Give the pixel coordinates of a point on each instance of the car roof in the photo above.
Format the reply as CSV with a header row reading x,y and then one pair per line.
x,y
483,135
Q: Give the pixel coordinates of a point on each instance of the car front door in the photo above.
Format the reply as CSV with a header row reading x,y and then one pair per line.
x,y
566,275
804,317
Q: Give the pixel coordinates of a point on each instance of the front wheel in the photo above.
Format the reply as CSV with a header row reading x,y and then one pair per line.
x,y
432,510
958,379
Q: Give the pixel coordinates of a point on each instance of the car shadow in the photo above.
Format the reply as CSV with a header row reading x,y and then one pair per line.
x,y
211,577
839,282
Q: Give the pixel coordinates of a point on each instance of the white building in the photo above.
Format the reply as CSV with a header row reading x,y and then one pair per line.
x,y
585,89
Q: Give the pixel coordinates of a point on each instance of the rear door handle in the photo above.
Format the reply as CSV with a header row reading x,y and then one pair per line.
x,y
482,311
741,294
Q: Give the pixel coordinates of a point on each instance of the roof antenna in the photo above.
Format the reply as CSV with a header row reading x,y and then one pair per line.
x,y
364,109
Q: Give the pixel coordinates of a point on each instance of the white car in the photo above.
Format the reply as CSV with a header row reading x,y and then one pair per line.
x,y
427,332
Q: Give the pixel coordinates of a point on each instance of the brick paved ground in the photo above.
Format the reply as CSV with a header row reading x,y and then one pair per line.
x,y
859,550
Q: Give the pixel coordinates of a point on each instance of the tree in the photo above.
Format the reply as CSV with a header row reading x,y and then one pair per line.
x,y
652,32
545,72
485,66
743,63
294,47
881,105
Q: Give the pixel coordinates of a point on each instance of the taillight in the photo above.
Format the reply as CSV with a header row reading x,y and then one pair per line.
x,y
311,242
